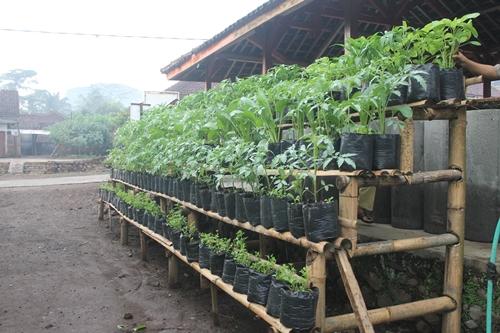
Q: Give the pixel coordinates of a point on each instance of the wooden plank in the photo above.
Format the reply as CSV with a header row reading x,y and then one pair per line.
x,y
238,34
173,272
353,292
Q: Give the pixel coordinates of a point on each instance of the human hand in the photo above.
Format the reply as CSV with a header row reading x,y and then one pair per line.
x,y
459,58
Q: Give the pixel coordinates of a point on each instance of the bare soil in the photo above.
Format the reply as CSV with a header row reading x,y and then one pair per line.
x,y
63,271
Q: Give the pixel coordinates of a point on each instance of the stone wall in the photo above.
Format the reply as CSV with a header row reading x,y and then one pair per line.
x,y
4,167
49,167
400,278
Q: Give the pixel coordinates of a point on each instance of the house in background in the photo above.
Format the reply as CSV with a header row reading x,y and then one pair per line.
x,y
10,142
35,138
172,95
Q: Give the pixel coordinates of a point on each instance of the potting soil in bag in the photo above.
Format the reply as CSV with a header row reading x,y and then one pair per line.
x,y
213,200
229,202
258,287
295,219
216,263
193,193
430,91
229,270
399,96
298,309
321,222
239,209
192,250
266,218
204,256
274,297
205,198
452,84
221,207
240,284
279,213
252,209
362,146
175,237
273,150
386,152
182,244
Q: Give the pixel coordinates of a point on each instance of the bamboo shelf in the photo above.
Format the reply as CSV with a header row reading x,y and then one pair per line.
x,y
346,247
259,310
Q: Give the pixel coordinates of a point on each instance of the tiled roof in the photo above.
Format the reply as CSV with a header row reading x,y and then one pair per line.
x,y
185,88
38,121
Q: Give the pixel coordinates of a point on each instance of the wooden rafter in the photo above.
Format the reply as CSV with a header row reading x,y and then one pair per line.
x,y
327,43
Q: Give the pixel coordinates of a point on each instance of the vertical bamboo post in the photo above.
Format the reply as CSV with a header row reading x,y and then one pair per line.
x,y
173,271
100,214
215,304
454,257
110,219
348,211
407,142
163,205
204,283
264,245
123,231
144,245
316,268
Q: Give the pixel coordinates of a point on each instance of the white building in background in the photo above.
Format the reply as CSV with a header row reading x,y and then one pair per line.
x,y
151,99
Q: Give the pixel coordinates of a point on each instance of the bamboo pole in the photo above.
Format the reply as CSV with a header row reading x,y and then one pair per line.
x,y
348,211
173,272
100,213
144,245
353,292
454,257
316,267
393,313
123,231
406,156
215,304
399,245
413,179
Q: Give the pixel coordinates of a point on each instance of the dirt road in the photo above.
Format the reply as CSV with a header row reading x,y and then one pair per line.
x,y
61,271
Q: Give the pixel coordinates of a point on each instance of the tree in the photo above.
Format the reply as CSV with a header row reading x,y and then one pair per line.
x,y
41,101
17,79
95,102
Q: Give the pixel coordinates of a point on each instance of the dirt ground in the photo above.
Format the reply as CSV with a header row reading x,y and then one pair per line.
x,y
62,271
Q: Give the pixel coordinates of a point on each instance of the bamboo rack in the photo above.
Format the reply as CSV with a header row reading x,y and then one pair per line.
x,y
346,246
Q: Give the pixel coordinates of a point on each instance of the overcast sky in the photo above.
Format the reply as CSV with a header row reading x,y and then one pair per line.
x,y
64,62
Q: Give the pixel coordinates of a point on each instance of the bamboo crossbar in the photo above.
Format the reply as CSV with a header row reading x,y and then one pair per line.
x,y
424,177
285,236
259,310
392,313
408,244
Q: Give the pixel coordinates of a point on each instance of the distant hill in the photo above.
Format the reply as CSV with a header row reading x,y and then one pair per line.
x,y
118,92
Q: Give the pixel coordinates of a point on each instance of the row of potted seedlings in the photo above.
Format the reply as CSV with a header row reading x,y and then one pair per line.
x,y
316,220
285,293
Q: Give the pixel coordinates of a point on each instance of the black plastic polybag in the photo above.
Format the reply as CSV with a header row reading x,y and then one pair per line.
x,y
182,244
362,146
205,198
252,209
274,297
295,219
240,284
229,204
429,73
216,263
298,309
239,208
204,256
386,152
279,214
398,97
192,250
229,270
320,221
266,218
221,207
258,287
175,237
452,83
273,150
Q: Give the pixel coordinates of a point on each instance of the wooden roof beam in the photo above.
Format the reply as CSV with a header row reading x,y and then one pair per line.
x,y
281,9
240,57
